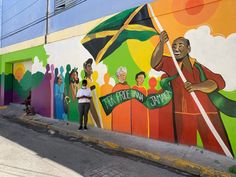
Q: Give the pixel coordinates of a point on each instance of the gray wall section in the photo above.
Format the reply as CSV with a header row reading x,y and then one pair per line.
x,y
19,22
90,10
25,19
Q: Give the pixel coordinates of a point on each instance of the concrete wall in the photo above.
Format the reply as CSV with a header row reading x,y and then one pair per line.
x,y
147,110
88,10
22,20
25,20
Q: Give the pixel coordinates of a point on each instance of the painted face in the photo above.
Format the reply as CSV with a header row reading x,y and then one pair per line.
x,y
180,48
61,69
140,79
106,78
59,81
89,69
75,76
122,77
47,67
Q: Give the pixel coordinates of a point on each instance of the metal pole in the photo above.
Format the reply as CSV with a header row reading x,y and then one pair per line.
x,y
46,21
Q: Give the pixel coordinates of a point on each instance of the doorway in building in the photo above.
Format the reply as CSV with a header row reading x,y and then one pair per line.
x,y
21,81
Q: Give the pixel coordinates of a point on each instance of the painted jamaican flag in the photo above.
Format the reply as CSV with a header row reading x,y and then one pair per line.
x,y
105,38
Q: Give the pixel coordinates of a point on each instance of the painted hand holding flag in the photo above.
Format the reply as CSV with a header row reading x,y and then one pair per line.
x,y
104,39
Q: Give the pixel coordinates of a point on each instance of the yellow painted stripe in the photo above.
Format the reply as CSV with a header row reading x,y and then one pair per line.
x,y
102,34
23,45
186,113
3,107
138,27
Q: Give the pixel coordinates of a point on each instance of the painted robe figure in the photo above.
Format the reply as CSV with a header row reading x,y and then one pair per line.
x,y
96,118
73,113
187,116
166,120
106,89
160,119
139,111
153,113
41,96
121,123
58,95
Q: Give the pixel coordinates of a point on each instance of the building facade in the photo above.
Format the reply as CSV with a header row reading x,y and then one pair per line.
x,y
44,41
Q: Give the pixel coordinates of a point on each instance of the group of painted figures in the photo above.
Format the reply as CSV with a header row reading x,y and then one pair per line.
x,y
66,103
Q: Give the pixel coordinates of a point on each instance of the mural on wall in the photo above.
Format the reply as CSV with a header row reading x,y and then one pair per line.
x,y
18,82
17,76
186,118
135,85
21,81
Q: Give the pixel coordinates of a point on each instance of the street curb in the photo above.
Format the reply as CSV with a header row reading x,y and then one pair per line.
x,y
3,107
177,163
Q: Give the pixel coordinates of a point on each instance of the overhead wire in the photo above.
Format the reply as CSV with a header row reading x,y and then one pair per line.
x,y
13,5
41,19
20,12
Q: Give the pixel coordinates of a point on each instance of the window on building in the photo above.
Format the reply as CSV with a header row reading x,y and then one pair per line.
x,y
61,5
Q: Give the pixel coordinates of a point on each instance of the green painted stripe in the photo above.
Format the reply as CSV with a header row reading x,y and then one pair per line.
x,y
22,55
115,22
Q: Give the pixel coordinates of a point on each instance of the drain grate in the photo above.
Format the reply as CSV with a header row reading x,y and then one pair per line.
x,y
106,171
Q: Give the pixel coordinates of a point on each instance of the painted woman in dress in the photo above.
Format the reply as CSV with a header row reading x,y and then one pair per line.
x,y
58,97
73,103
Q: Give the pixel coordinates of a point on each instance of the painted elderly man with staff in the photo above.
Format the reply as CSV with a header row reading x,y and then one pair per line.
x,y
188,119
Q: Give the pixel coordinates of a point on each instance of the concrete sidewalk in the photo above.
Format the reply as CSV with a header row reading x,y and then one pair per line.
x,y
189,159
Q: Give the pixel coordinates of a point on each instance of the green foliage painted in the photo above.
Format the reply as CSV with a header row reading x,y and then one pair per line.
x,y
8,84
232,169
82,74
8,68
114,22
26,81
25,54
199,140
23,87
36,79
19,89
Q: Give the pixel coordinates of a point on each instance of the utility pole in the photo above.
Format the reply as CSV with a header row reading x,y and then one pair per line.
x,y
46,21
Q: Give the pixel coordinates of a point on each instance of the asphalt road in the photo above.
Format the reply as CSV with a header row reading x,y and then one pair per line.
x,y
30,152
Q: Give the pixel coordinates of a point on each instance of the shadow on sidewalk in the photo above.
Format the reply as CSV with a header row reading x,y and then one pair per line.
x,y
67,151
